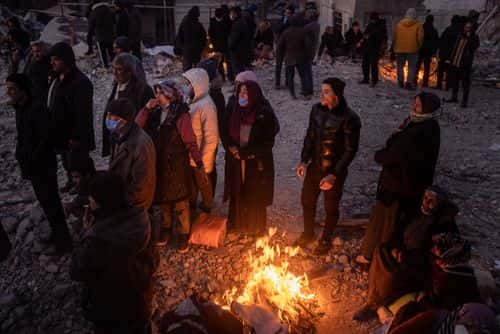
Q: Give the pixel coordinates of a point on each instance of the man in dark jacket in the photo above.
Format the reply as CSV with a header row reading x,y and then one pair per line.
x,y
461,60
135,34
284,24
102,23
18,41
123,26
70,108
133,156
37,69
446,45
330,144
312,29
218,31
191,39
126,85
36,157
428,49
293,48
240,42
374,38
115,261
353,39
331,40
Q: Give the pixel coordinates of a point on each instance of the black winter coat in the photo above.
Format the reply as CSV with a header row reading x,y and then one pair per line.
x,y
332,138
71,112
138,93
431,41
240,42
294,45
332,42
352,39
135,19
102,23
115,261
258,154
219,34
447,41
123,23
38,72
191,38
409,159
374,37
469,50
33,151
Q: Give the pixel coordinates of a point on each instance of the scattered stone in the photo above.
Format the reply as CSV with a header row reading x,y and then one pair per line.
x,y
338,242
36,214
52,268
343,259
10,224
22,229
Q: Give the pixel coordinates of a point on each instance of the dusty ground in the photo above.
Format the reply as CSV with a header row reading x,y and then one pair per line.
x,y
37,296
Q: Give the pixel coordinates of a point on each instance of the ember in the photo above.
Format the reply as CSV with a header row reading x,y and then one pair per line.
x,y
273,285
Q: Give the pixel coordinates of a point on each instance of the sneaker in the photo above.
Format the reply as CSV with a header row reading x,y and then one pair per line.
x,y
164,237
183,245
364,314
303,240
323,247
463,105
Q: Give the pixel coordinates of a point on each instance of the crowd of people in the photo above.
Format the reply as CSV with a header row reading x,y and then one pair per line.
x,y
162,144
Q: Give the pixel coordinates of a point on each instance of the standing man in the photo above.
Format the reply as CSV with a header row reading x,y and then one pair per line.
x,y
240,42
205,126
102,24
36,157
18,40
37,69
312,31
446,45
428,50
353,39
284,24
374,37
219,33
70,108
330,145
133,156
461,61
293,48
126,85
191,39
408,39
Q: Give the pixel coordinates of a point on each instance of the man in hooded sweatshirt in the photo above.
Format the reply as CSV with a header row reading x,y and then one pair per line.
x,y
102,24
204,120
70,103
407,41
191,39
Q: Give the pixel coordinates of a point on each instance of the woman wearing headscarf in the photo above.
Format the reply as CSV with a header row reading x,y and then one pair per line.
x,y
248,131
408,163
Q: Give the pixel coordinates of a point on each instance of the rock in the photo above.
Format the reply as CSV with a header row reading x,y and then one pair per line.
x,y
7,300
22,229
61,290
10,224
485,283
52,268
344,259
36,214
338,242
29,238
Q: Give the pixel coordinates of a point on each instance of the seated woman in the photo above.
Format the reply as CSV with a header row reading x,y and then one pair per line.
x,y
247,133
400,269
264,42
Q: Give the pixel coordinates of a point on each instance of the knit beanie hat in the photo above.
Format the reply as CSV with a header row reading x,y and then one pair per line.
x,y
123,42
246,76
430,102
65,52
122,108
337,86
411,13
108,190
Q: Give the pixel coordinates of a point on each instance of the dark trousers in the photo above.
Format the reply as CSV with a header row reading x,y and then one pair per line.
x,y
90,41
136,49
277,73
198,185
370,66
460,76
442,71
44,182
290,75
237,66
5,245
426,60
212,177
308,78
107,54
189,61
310,194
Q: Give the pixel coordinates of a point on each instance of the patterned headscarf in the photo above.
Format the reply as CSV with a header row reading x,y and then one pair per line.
x,y
176,89
451,249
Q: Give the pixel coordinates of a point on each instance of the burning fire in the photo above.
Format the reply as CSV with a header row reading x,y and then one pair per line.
x,y
271,283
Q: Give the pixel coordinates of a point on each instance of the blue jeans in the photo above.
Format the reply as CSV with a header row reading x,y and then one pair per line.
x,y
401,59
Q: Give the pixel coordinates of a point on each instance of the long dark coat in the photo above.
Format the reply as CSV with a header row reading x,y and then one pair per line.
x,y
138,93
191,38
240,42
261,169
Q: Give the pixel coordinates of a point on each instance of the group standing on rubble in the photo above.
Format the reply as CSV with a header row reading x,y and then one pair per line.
x,y
162,144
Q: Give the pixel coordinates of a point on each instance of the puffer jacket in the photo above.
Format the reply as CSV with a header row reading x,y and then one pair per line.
x,y
203,117
134,158
332,138
115,261
408,36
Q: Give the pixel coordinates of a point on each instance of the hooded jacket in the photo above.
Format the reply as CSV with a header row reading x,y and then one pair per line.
x,y
102,22
115,261
191,37
203,117
240,41
408,36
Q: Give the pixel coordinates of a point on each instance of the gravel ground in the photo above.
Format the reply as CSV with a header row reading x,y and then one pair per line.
x,y
37,296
